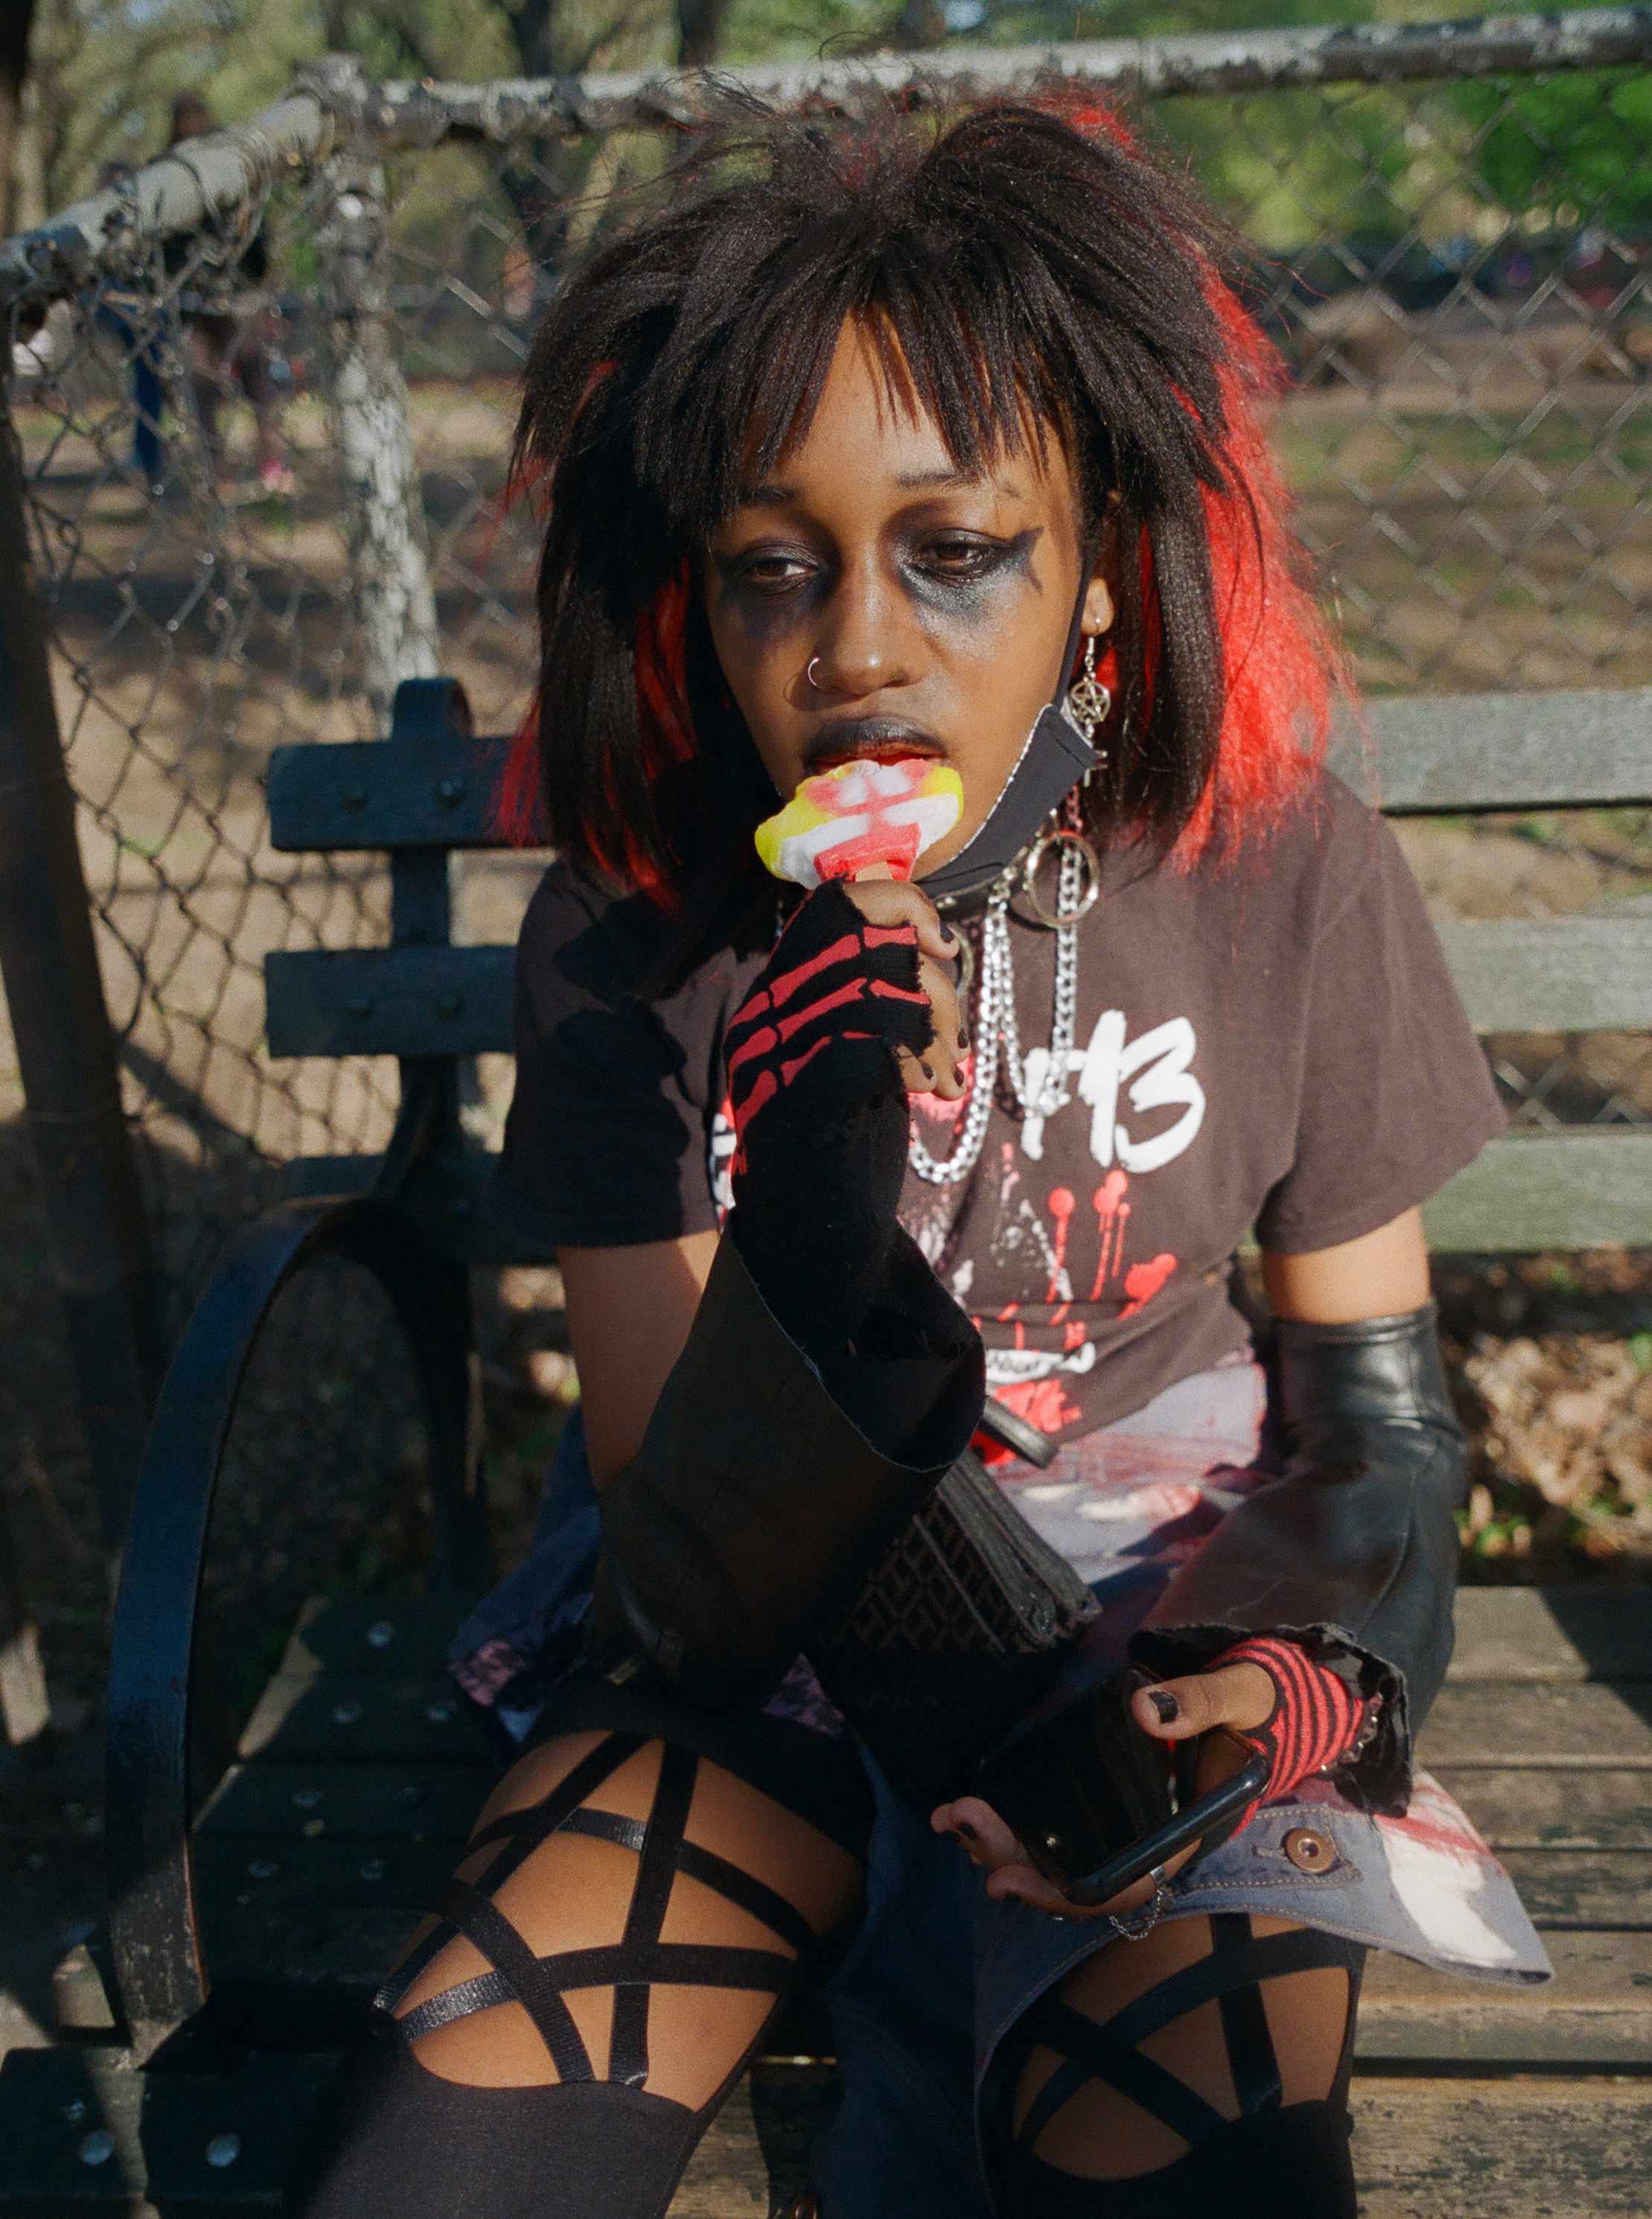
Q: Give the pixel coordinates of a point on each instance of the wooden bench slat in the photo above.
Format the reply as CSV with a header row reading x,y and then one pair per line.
x,y
1504,2148
1520,1634
343,1719
1496,2148
161,2125
345,1802
306,1948
300,1975
1555,974
1444,752
373,1873
427,792
1585,1187
1586,1728
390,1637
1536,1807
1500,2147
1453,752
1596,2011
1596,1890
389,1001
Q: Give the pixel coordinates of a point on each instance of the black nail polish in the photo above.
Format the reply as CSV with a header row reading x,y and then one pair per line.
x,y
963,1826
963,1034
959,1074
1166,1706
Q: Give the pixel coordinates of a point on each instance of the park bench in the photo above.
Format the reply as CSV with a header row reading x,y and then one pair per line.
x,y
246,1935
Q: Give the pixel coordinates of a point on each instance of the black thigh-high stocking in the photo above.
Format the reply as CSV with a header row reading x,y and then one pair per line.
x,y
1207,2079
626,1921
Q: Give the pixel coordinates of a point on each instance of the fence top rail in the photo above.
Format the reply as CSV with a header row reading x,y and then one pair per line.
x,y
406,113
334,100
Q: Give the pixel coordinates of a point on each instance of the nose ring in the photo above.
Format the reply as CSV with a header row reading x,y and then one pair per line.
x,y
808,677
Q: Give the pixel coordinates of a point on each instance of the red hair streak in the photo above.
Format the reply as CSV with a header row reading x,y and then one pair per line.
x,y
663,720
1282,665
518,817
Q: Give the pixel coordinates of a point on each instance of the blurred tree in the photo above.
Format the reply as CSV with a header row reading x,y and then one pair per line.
x,y
16,21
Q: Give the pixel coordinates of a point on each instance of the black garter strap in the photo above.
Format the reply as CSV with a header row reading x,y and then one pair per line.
x,y
1231,1977
638,1961
741,1888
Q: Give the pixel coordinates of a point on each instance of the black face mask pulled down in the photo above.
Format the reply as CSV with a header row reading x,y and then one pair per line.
x,y
1055,757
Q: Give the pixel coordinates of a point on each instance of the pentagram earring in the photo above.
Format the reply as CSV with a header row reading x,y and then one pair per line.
x,y
1089,697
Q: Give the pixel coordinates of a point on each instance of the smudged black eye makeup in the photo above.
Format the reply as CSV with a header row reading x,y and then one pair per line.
x,y
770,572
971,559
945,562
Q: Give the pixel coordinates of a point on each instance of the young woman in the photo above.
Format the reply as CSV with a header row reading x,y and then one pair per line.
x,y
871,444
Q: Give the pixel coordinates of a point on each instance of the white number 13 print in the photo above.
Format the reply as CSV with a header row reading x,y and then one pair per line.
x,y
1109,1064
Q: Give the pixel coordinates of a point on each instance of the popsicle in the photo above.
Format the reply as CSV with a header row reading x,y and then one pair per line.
x,y
862,819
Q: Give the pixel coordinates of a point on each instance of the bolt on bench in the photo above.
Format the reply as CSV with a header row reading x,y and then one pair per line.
x,y
247,1935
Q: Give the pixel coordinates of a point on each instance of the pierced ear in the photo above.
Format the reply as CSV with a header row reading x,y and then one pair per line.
x,y
1100,608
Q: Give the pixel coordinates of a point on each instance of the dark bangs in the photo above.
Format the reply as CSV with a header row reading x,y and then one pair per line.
x,y
1012,269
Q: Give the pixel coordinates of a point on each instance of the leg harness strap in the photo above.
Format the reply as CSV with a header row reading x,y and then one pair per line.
x,y
1229,1976
633,1965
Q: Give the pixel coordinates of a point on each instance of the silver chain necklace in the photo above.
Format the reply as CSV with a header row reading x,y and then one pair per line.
x,y
1040,1081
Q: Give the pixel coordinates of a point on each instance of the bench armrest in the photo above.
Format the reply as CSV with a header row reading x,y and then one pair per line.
x,y
153,1918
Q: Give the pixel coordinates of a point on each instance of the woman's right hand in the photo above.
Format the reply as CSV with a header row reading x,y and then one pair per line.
x,y
939,1069
821,1055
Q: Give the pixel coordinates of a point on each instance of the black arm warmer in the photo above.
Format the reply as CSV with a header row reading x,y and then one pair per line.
x,y
1353,1553
767,1482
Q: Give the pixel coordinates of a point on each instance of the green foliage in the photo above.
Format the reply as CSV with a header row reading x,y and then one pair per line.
x,y
1578,148
105,73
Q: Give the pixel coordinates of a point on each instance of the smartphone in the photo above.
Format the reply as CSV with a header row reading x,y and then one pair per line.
x,y
1090,1797
1206,1814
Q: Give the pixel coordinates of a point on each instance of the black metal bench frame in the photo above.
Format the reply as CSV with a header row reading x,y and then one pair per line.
x,y
415,1218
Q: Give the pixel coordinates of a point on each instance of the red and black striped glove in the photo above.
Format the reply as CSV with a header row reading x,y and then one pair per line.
x,y
1316,1718
820,1112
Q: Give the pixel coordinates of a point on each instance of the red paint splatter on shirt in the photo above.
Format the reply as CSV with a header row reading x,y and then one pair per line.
x,y
1112,1214
1042,1402
1143,1281
1063,1202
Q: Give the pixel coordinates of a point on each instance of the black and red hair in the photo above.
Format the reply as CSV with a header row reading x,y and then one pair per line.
x,y
1025,261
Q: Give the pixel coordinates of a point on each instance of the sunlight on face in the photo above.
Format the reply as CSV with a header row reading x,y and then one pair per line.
x,y
867,599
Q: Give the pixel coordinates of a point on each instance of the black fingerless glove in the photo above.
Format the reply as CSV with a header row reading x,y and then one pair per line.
x,y
1352,1552
820,1116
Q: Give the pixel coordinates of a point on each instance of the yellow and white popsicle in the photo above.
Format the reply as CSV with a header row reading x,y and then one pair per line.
x,y
846,821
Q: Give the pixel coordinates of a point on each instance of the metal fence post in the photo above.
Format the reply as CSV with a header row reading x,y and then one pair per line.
x,y
384,501
92,1194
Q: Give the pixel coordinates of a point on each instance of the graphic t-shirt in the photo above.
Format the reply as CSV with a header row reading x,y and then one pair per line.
x,y
1270,1042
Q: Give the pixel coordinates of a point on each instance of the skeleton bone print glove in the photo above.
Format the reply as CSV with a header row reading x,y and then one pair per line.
x,y
820,1112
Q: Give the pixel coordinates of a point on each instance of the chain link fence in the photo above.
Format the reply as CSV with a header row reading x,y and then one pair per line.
x,y
264,446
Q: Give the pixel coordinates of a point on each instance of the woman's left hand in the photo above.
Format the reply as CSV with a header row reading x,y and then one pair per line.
x,y
1238,1695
